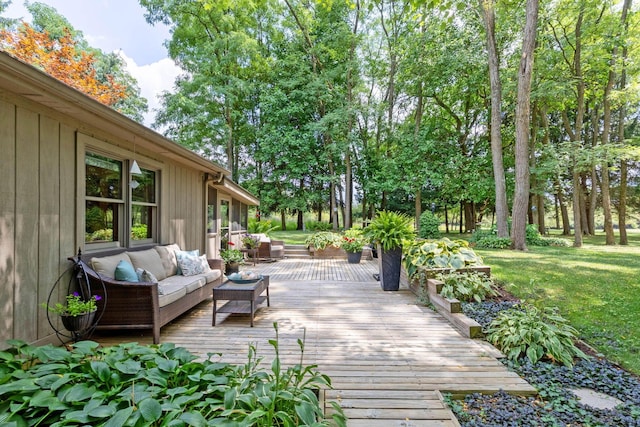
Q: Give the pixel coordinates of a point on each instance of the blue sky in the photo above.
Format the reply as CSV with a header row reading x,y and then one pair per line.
x,y
119,26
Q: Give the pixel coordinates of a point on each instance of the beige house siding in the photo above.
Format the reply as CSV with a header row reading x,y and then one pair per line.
x,y
45,130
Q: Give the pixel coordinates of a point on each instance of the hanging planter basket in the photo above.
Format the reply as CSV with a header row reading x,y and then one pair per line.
x,y
79,324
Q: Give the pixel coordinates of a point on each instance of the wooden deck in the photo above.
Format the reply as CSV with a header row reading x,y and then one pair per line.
x,y
389,359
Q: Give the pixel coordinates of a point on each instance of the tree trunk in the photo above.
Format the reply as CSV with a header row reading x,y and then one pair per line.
x,y
622,203
521,194
501,208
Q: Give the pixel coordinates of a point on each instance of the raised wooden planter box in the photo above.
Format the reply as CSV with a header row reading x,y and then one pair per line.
x,y
449,308
328,252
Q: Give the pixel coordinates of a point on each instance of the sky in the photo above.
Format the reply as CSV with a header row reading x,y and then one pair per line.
x,y
119,26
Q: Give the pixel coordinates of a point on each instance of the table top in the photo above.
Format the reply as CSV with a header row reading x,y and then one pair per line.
x,y
229,285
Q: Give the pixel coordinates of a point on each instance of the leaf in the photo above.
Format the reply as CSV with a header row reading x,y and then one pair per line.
x,y
120,418
150,409
194,419
306,413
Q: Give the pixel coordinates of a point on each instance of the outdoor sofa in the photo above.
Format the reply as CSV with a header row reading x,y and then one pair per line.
x,y
268,248
163,291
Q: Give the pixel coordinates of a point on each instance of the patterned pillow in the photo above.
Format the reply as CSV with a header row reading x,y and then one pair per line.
x,y
192,265
146,276
181,254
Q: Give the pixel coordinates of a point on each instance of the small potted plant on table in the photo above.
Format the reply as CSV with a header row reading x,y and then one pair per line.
x,y
232,259
388,230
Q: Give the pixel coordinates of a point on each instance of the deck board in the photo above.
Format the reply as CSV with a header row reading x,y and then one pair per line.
x,y
389,359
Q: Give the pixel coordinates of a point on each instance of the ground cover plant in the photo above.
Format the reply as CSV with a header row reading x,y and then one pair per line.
x,y
595,287
156,385
556,404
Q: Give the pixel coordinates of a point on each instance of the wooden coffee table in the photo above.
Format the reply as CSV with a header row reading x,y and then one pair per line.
x,y
241,298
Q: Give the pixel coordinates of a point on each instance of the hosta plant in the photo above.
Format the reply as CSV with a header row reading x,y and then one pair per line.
x,y
526,331
136,385
322,239
466,286
440,253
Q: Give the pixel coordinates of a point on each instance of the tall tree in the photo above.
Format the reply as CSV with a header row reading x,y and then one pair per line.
x,y
487,10
521,195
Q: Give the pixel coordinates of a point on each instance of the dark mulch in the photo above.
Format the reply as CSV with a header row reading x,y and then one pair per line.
x,y
555,404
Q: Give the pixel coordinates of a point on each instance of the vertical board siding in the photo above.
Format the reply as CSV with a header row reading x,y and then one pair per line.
x,y
26,228
7,218
49,215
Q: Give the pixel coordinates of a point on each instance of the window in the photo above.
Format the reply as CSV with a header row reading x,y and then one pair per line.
x,y
108,222
224,223
104,204
143,206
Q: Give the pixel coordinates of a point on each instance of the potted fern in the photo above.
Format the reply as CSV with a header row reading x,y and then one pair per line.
x,y
388,230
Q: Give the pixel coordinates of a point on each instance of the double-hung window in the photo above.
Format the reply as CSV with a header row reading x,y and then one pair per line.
x,y
120,209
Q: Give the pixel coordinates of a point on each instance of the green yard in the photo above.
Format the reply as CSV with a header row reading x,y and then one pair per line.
x,y
596,287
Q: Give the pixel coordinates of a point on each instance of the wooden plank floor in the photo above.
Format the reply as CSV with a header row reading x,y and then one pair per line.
x,y
389,359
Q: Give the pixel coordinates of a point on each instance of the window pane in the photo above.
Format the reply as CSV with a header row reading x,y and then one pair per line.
x,y
146,190
142,222
104,177
101,222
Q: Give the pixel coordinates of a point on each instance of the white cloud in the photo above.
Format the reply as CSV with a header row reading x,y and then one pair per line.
x,y
153,79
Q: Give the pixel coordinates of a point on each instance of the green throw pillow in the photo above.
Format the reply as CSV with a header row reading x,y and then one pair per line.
x,y
126,272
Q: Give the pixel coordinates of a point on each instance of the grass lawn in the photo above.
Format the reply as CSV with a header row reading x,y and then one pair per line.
x,y
596,287
291,237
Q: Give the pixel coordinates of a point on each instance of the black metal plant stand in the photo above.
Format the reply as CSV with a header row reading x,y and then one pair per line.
x,y
79,327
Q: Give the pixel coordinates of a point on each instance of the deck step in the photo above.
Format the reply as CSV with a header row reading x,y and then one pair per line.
x,y
296,251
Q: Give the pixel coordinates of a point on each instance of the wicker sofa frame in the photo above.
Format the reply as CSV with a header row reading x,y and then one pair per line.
x,y
135,305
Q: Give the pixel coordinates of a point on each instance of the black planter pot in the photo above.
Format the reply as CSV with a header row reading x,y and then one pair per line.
x,y
390,263
354,257
78,324
231,267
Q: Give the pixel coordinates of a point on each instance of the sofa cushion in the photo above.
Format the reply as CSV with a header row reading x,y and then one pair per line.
x,y
168,256
106,265
212,275
170,293
180,254
192,265
172,283
125,271
148,260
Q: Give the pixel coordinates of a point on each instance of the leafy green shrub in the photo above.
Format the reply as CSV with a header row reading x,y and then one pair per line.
x,y
261,227
131,384
105,234
441,253
318,226
493,242
524,330
429,225
322,239
139,232
466,286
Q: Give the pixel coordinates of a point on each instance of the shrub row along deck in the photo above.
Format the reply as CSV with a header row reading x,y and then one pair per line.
x,y
389,359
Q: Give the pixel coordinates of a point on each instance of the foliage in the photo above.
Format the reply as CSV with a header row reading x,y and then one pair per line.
x,y
555,404
75,305
261,227
429,225
466,286
61,60
594,286
250,241
322,239
131,384
525,330
353,240
390,229
442,253
139,232
318,226
104,234
231,255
